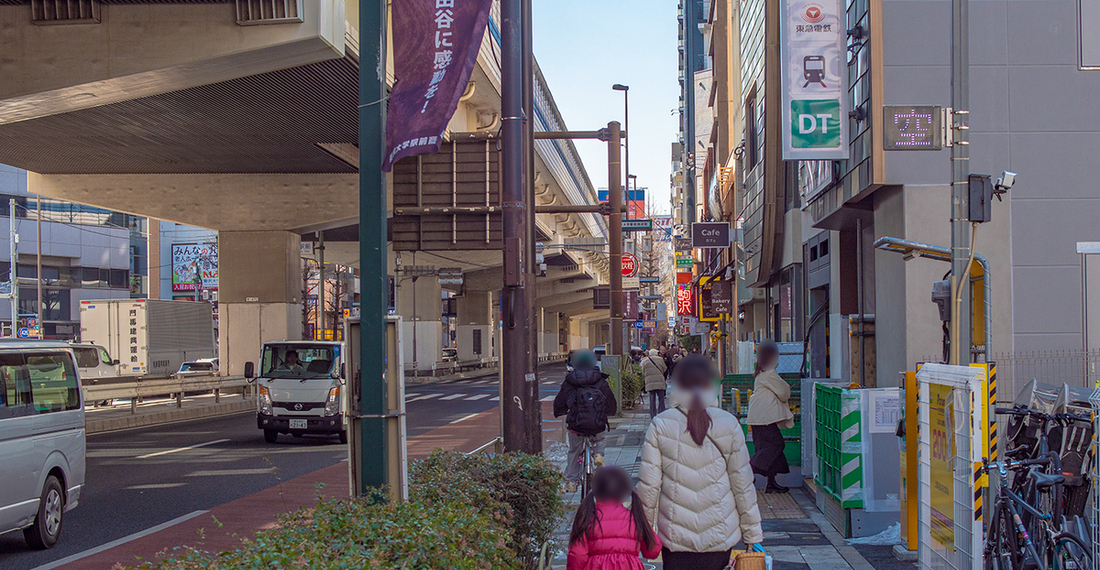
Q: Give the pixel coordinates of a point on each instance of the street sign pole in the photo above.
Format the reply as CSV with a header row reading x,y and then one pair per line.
x,y
369,467
13,274
615,239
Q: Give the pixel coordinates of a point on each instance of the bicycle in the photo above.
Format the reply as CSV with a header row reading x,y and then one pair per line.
x,y
1009,545
586,467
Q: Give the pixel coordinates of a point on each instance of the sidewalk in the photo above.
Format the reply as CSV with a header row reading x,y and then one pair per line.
x,y
796,534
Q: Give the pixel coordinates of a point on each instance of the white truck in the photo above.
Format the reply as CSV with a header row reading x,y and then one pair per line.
x,y
300,389
149,337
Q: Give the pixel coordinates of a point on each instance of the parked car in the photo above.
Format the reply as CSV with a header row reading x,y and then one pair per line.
x,y
450,354
42,438
214,361
196,368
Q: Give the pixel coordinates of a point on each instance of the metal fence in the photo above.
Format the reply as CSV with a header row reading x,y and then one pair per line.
x,y
1076,368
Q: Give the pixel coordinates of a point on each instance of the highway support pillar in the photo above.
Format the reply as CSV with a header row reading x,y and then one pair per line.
x,y
369,419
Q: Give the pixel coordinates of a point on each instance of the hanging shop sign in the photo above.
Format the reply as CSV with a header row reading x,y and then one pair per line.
x,y
685,302
814,80
710,235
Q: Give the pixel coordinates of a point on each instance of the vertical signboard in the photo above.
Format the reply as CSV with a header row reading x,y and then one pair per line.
x,y
685,301
941,416
814,80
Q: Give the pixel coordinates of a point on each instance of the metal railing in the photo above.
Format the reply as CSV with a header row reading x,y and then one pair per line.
x,y
494,446
1077,368
151,388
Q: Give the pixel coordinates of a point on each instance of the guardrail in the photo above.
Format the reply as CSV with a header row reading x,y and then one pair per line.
x,y
553,357
148,388
496,445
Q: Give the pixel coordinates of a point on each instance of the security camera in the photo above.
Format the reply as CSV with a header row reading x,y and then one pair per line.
x,y
1007,179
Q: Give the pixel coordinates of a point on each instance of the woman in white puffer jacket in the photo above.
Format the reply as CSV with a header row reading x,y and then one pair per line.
x,y
695,480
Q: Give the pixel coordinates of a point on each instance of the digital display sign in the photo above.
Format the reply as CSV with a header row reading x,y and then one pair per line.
x,y
917,127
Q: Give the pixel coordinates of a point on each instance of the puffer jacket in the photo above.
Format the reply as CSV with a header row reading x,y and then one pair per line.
x,y
573,381
612,544
702,497
653,368
768,403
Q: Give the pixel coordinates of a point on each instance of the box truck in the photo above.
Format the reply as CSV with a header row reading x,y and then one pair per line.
x,y
149,337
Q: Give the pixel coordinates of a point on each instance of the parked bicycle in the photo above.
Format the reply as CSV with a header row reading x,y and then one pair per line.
x,y
1009,545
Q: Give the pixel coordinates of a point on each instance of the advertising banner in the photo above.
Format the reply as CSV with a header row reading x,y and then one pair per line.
x,y
662,228
194,265
434,52
814,57
941,419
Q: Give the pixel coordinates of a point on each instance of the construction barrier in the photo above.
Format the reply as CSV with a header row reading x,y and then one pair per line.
x,y
953,416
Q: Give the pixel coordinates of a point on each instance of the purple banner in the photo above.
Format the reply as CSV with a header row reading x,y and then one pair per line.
x,y
435,44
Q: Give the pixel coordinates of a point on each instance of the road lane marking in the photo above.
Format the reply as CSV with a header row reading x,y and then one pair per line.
x,y
424,397
114,543
225,472
452,396
463,418
477,397
178,449
494,399
547,399
155,486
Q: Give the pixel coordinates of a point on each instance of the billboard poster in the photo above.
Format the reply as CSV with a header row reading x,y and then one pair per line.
x,y
662,228
814,57
194,265
941,416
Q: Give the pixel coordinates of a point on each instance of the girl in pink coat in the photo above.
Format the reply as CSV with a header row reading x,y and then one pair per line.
x,y
606,535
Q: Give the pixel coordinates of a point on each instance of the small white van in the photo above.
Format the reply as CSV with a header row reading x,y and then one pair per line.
x,y
94,362
300,389
42,443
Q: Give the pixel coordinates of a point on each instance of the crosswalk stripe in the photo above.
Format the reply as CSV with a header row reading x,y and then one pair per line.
x,y
547,399
452,396
477,397
494,399
424,397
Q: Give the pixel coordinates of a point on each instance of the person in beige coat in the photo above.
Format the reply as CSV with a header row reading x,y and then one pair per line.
x,y
769,412
655,372
695,480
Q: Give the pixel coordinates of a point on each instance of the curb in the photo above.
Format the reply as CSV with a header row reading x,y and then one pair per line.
x,y
140,420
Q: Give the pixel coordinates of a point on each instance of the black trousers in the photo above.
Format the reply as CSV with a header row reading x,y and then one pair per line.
x,y
656,402
695,560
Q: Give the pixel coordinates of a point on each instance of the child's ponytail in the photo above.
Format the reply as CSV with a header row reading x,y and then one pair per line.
x,y
584,519
641,524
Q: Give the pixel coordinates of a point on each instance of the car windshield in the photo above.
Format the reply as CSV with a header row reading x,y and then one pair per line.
x,y
196,367
297,361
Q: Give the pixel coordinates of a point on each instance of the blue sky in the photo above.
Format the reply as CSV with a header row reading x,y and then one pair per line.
x,y
586,46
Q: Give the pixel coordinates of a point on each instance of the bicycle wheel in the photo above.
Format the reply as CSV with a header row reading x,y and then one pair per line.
x,y
586,471
1071,553
1004,553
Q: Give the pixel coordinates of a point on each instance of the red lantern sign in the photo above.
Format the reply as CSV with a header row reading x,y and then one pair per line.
x,y
685,302
630,265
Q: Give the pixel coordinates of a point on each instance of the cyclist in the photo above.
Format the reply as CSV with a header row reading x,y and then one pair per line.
x,y
586,401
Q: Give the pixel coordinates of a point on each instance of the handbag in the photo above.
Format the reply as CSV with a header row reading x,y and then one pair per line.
x,y
750,561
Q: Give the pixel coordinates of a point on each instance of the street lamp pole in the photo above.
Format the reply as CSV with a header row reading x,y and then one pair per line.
x,y
960,174
626,177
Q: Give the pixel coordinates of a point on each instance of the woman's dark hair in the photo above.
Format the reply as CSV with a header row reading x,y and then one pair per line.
x,y
611,483
695,373
767,353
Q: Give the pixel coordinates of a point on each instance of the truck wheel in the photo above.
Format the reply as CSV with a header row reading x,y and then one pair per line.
x,y
271,436
47,524
344,437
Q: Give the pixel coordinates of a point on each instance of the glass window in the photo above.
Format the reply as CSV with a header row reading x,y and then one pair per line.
x,y
86,356
119,279
15,391
104,357
53,382
297,361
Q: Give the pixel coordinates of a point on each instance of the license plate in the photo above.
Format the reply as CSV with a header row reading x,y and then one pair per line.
x,y
298,424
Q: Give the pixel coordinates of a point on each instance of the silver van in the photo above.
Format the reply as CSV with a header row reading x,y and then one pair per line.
x,y
42,442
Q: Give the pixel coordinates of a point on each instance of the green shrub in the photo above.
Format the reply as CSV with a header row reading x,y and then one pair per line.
x,y
353,533
522,491
633,384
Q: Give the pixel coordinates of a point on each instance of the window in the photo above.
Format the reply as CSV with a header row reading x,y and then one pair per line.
x,y
15,392
751,156
104,357
86,356
53,382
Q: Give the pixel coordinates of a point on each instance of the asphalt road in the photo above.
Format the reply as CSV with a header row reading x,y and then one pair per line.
x,y
137,479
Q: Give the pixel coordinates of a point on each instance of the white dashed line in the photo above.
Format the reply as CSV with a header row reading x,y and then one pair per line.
x,y
463,418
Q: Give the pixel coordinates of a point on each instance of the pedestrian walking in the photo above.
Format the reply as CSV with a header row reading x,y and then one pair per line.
x,y
586,401
655,372
695,479
769,412
606,535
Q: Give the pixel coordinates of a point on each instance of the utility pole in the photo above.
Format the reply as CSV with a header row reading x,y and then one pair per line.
x,y
515,342
38,263
321,285
370,416
531,404
615,237
960,172
13,275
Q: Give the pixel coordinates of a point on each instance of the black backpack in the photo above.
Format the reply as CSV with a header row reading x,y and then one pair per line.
x,y
587,410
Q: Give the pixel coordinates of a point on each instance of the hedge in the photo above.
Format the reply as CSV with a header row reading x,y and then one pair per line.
x,y
479,512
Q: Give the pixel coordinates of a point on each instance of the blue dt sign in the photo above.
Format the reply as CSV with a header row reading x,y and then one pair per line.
x,y
24,332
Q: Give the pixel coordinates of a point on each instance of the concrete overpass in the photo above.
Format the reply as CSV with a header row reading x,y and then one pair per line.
x,y
241,116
